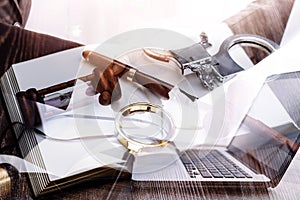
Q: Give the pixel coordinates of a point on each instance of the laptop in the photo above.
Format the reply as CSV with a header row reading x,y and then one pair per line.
x,y
258,155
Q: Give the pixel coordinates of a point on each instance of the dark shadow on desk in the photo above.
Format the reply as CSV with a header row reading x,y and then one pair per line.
x,y
94,190
180,190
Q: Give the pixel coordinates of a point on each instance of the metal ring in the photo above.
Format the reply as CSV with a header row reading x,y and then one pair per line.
x,y
224,59
6,183
131,74
131,143
253,40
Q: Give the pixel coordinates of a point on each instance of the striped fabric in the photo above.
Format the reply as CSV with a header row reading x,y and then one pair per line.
x,y
267,18
14,11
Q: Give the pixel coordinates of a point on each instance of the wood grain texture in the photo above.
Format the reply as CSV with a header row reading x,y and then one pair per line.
x,y
18,45
12,11
267,18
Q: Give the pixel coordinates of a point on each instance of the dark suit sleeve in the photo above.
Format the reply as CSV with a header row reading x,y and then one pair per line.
x,y
14,11
267,18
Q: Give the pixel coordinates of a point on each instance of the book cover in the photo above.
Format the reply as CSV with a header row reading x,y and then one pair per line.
x,y
66,154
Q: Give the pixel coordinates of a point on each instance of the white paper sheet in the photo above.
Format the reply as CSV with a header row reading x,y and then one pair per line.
x,y
292,28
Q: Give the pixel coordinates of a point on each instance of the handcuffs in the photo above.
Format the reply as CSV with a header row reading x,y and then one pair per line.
x,y
212,71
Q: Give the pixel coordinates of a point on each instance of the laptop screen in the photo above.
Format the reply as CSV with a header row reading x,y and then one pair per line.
x,y
268,137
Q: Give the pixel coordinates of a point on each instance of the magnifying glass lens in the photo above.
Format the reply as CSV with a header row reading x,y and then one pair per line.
x,y
145,125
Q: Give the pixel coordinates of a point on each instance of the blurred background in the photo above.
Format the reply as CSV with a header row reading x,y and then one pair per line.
x,y
94,21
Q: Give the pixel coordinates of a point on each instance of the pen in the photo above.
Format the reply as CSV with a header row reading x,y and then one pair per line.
x,y
106,73
114,67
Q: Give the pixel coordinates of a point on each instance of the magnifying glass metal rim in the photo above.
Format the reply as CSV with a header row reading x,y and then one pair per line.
x,y
134,145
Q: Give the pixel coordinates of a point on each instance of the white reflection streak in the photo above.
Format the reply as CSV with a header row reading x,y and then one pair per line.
x,y
22,165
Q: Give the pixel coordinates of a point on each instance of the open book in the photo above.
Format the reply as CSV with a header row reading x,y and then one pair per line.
x,y
76,140
61,155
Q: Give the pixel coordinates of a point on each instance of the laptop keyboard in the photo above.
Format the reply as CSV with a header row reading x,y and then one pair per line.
x,y
210,164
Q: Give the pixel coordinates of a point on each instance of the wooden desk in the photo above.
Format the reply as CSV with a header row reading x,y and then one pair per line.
x,y
18,45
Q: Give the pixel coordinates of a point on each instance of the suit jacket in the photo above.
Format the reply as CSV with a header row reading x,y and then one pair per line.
x,y
14,11
267,18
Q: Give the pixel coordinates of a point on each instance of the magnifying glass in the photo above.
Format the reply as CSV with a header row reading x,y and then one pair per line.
x,y
141,125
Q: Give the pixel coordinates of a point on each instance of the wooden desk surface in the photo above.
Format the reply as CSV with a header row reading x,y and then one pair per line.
x,y
18,45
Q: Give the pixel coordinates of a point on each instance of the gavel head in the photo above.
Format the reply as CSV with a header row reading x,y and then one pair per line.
x,y
28,105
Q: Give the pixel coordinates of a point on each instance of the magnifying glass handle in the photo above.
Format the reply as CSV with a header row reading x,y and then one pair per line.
x,y
129,158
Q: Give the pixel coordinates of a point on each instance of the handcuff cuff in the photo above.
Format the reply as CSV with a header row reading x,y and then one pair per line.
x,y
212,71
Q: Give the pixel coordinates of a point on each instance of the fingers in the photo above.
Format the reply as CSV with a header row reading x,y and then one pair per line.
x,y
106,83
118,69
110,79
98,82
105,98
90,91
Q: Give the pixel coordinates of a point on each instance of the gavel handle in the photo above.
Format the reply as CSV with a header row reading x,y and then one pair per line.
x,y
28,107
28,100
64,85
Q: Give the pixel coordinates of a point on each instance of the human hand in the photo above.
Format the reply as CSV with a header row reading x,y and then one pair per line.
x,y
105,82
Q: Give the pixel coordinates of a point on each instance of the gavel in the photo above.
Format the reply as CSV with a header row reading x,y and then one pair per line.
x,y
104,80
28,101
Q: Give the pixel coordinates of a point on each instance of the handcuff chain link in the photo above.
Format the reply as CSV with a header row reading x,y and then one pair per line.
x,y
208,75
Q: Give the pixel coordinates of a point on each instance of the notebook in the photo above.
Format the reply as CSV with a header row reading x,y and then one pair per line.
x,y
258,155
75,139
57,154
